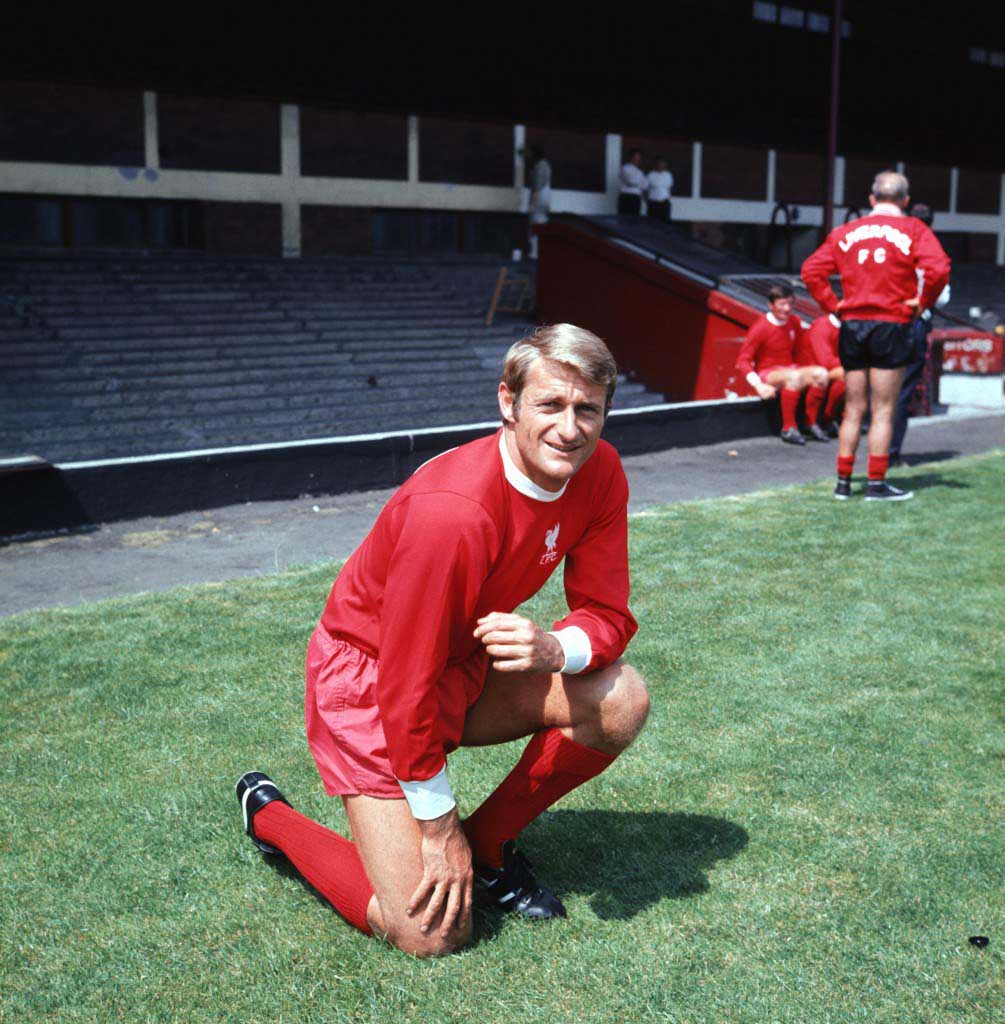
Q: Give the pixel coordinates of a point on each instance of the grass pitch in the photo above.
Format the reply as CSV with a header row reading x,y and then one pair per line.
x,y
808,830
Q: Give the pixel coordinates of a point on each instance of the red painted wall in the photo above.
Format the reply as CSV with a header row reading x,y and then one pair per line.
x,y
674,334
977,352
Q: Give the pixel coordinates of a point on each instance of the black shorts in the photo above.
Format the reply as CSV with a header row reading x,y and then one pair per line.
x,y
865,343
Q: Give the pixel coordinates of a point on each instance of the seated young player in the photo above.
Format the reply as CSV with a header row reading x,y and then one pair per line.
x,y
419,651
818,346
767,360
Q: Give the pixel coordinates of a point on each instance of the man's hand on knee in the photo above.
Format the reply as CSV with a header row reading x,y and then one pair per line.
x,y
447,878
516,644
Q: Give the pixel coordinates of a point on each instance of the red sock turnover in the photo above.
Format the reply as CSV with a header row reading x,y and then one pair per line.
x,y
846,463
328,861
878,465
814,402
551,766
789,399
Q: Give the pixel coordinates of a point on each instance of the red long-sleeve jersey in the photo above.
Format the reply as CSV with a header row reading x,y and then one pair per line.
x,y
768,344
818,345
880,258
456,542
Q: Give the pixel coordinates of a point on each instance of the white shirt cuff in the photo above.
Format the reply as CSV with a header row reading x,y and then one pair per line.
x,y
753,378
576,648
430,798
834,319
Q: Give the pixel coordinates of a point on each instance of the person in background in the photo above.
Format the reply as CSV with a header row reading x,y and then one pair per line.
x,y
818,346
540,195
881,258
660,183
920,330
633,185
767,361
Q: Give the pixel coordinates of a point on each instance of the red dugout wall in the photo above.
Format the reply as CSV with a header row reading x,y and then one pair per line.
x,y
677,335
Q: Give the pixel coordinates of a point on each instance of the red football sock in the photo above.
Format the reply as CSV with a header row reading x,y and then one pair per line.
x,y
789,398
814,401
551,766
328,861
846,463
878,465
834,395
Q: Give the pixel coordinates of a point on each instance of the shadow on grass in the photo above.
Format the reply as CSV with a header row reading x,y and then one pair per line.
x,y
924,481
923,458
628,860
623,861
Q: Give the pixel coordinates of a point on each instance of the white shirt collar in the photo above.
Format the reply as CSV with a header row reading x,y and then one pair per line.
x,y
522,483
887,210
772,319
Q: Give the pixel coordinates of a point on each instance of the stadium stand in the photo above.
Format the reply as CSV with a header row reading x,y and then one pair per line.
x,y
128,355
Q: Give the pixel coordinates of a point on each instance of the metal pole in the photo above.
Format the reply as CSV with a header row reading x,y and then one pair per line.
x,y
832,126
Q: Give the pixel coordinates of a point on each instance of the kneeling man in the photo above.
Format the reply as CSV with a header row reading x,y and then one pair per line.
x,y
419,651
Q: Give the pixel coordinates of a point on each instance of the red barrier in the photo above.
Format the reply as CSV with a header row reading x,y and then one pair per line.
x,y
974,352
675,334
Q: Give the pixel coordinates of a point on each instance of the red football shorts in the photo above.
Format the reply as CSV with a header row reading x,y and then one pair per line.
x,y
344,729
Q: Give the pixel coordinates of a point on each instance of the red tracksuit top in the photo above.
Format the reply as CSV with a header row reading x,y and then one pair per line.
x,y
769,344
878,258
456,542
819,344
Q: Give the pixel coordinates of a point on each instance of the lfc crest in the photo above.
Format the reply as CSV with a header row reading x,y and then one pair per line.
x,y
550,545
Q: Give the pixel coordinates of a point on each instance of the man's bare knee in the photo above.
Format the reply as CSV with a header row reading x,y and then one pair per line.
x,y
410,940
623,707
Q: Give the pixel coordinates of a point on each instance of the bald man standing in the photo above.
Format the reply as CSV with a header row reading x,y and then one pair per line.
x,y
892,267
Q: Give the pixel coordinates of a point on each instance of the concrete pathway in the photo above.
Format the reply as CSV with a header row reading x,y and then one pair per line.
x,y
245,540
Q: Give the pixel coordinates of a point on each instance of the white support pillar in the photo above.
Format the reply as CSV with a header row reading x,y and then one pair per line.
x,y
696,170
519,164
839,166
1000,254
612,170
954,187
151,145
772,164
413,149
289,164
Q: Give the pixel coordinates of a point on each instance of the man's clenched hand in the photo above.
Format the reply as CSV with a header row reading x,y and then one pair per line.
x,y
447,878
516,644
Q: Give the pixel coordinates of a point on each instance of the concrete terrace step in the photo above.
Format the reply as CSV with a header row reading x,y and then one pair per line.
x,y
76,312
211,402
290,306
141,435
143,389
104,360
270,377
101,317
146,438
144,314
281,334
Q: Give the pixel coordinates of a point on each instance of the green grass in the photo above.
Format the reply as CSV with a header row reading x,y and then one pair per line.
x,y
807,831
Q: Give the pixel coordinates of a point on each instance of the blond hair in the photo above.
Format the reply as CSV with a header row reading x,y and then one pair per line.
x,y
564,343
